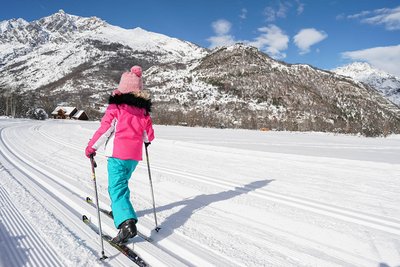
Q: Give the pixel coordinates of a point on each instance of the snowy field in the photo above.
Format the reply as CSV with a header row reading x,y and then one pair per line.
x,y
224,198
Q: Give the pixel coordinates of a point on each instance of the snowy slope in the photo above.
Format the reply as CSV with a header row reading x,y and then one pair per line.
x,y
63,28
244,88
385,83
150,42
224,198
61,46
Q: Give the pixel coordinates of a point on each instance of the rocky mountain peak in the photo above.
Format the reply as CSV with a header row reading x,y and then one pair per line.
x,y
59,26
386,84
9,25
238,57
360,68
64,23
239,49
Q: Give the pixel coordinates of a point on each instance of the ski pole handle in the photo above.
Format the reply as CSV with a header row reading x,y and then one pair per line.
x,y
94,165
93,161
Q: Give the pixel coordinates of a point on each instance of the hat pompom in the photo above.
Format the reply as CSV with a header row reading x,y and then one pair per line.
x,y
131,81
137,70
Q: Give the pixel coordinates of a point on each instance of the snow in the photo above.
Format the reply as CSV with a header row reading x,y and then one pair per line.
x,y
67,110
224,197
60,43
385,83
12,23
138,39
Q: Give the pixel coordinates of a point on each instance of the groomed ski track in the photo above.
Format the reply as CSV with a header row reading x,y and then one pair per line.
x,y
54,198
59,195
36,157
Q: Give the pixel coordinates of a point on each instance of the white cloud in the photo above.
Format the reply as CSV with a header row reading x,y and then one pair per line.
x,y
386,58
271,40
221,26
389,17
281,10
300,7
340,16
223,38
269,14
243,14
306,38
359,15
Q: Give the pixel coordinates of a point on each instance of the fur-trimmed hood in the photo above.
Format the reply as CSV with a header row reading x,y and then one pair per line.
x,y
132,100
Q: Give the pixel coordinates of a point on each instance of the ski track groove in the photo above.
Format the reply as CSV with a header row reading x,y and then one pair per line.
x,y
42,191
32,241
383,223
389,225
12,253
37,248
65,186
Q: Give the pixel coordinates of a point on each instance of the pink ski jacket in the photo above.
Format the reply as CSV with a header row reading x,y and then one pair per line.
x,y
124,127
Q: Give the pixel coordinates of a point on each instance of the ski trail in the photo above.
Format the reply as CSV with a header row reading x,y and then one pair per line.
x,y
173,245
64,190
285,246
21,244
383,223
389,225
77,246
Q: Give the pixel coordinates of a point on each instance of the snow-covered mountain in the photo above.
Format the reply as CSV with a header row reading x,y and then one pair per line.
x,y
63,52
66,58
387,84
243,87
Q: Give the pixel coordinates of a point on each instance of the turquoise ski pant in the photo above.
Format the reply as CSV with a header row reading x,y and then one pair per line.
x,y
119,173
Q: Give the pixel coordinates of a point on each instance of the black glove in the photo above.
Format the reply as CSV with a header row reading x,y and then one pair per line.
x,y
147,144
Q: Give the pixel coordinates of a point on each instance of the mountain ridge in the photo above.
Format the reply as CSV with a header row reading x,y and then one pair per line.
x,y
386,84
243,87
240,86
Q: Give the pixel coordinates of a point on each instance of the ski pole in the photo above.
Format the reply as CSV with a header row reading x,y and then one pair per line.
x,y
151,188
94,165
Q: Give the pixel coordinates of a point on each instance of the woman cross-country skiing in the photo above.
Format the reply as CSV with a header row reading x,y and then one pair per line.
x,y
124,127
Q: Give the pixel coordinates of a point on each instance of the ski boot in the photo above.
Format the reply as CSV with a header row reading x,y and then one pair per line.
x,y
127,230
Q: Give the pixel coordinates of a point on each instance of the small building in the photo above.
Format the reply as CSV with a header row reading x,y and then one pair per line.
x,y
80,115
64,112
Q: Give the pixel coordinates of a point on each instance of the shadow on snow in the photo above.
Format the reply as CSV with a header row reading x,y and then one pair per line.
x,y
192,205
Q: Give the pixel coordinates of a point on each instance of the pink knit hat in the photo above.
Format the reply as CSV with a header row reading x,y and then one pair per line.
x,y
131,81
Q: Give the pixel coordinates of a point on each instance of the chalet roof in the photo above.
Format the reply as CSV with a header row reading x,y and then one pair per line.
x,y
67,110
78,114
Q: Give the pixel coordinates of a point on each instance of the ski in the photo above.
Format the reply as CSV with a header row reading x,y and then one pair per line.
x,y
132,255
106,212
109,214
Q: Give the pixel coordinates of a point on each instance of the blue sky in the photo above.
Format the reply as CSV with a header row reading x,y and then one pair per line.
x,y
322,33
